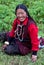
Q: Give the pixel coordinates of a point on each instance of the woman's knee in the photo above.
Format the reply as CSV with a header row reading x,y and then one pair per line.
x,y
8,50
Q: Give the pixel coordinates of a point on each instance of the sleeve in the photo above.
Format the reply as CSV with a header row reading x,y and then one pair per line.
x,y
33,32
12,32
34,52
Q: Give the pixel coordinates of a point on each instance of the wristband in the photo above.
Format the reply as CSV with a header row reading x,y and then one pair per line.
x,y
6,42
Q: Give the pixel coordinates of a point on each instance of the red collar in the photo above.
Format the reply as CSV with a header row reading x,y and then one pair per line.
x,y
24,22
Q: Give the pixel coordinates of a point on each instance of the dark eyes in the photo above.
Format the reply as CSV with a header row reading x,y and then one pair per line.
x,y
20,13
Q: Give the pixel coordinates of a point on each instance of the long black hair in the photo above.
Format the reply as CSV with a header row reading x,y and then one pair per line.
x,y
22,6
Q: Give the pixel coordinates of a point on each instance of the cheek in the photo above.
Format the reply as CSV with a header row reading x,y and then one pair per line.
x,y
24,15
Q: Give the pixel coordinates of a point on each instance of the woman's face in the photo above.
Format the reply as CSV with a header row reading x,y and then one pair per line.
x,y
21,14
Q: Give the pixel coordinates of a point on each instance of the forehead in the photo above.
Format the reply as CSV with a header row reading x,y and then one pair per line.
x,y
20,10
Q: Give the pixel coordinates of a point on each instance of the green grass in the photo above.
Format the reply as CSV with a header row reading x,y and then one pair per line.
x,y
23,60
41,29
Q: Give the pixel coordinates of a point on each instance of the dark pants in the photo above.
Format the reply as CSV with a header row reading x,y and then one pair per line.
x,y
12,48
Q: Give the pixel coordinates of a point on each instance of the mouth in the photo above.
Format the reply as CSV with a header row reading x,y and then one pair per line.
x,y
22,19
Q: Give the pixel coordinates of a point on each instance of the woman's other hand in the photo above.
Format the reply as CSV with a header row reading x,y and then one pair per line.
x,y
34,58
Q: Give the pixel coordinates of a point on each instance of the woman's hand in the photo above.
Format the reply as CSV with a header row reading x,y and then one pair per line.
x,y
5,45
34,58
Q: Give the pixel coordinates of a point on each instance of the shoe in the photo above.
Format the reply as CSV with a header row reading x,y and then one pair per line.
x,y
41,45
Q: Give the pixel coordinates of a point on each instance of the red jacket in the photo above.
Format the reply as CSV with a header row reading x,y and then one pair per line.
x,y
33,33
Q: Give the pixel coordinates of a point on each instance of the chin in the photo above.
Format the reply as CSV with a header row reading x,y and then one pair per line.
x,y
21,20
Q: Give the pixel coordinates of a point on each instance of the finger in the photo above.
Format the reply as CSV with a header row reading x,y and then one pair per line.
x,y
34,59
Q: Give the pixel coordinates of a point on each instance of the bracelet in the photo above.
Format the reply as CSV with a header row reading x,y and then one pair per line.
x,y
6,42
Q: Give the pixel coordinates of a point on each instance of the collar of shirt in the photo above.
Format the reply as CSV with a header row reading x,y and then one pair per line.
x,y
24,22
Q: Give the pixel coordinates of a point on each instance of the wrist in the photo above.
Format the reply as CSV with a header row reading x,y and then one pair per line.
x,y
34,52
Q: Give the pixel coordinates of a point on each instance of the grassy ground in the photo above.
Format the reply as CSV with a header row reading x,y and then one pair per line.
x,y
23,60
41,29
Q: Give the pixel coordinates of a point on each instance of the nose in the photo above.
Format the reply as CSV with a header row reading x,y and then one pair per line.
x,y
20,15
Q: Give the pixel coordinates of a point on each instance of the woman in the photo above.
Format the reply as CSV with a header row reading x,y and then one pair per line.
x,y
23,37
